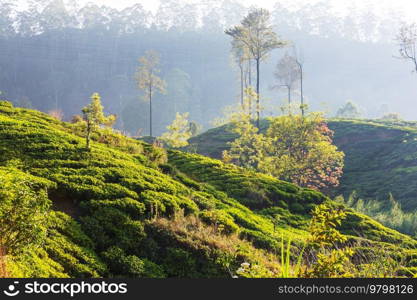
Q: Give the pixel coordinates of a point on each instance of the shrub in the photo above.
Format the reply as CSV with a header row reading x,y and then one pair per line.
x,y
180,263
204,200
282,204
297,208
163,204
332,264
156,155
221,220
323,225
167,169
6,104
127,265
110,226
133,208
259,239
23,210
130,265
323,234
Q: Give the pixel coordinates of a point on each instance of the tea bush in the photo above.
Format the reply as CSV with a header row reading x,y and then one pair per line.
x,y
130,209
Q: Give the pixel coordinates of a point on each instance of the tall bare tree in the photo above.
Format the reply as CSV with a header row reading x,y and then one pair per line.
x,y
240,57
148,80
256,34
407,39
287,74
298,58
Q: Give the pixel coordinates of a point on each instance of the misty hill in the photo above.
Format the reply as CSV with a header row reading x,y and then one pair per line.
x,y
130,209
381,157
55,55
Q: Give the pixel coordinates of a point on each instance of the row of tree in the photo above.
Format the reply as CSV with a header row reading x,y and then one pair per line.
x,y
253,40
96,48
295,148
45,15
93,117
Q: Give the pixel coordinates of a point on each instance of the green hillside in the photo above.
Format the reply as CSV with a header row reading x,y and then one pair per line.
x,y
129,209
381,157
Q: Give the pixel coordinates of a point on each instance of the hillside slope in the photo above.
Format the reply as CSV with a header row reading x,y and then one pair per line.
x,y
381,157
129,209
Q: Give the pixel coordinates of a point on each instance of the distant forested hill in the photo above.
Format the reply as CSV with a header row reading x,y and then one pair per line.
x,y
55,54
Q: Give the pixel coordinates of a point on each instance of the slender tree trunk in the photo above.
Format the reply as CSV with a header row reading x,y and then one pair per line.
x,y
250,71
241,84
289,100
150,110
258,108
301,90
88,137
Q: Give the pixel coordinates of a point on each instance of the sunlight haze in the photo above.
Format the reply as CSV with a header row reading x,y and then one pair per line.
x,y
408,7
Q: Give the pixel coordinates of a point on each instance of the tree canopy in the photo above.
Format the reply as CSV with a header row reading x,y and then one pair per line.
x,y
294,148
93,116
256,36
178,132
348,111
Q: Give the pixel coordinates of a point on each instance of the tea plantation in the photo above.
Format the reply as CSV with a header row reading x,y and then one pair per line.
x,y
130,209
380,157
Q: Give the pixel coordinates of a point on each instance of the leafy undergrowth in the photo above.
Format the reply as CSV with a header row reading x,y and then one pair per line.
x,y
128,209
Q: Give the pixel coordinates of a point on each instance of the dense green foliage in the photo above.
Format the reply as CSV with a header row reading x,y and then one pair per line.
x,y
93,117
301,151
123,209
380,157
293,148
331,260
23,205
178,132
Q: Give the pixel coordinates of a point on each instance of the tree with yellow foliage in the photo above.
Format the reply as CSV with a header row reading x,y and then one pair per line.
x,y
178,132
93,117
